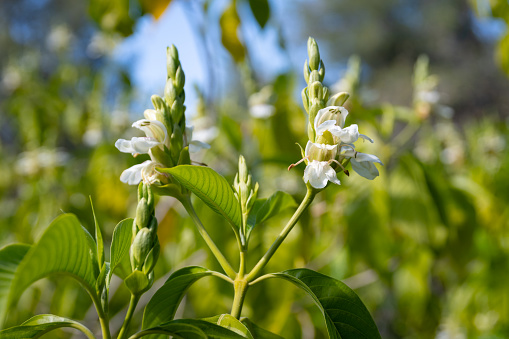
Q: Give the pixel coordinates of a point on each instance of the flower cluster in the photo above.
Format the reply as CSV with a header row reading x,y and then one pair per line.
x,y
331,144
168,140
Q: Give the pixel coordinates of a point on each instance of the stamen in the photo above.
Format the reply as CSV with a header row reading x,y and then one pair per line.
x,y
344,169
298,162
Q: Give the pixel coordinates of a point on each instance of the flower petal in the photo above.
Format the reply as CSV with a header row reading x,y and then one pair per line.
x,y
196,145
366,169
318,173
325,126
132,175
136,145
153,129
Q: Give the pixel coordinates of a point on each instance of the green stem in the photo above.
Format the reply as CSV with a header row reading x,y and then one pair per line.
x,y
103,316
84,330
186,201
130,311
310,195
240,287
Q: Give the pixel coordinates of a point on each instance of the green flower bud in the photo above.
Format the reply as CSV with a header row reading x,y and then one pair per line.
x,y
170,93
174,53
176,143
177,111
306,72
315,90
180,79
325,93
242,169
338,99
305,99
252,197
314,54
158,102
314,76
172,62
321,72
140,247
151,259
236,183
185,158
143,213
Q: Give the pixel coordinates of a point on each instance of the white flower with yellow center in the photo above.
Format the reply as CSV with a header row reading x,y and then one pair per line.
x,y
145,171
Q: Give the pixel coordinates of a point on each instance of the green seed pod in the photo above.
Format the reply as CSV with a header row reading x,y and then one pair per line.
x,y
170,93
313,54
140,247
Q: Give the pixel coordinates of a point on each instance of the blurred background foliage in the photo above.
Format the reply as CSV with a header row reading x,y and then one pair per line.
x,y
426,245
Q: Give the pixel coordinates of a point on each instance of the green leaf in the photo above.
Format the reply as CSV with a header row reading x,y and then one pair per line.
x,y
65,247
261,11
10,257
191,329
210,187
231,323
264,209
233,132
120,243
98,238
164,303
230,23
41,324
345,315
258,332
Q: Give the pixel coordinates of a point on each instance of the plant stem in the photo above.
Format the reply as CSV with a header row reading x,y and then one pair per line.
x,y
310,195
186,201
240,287
84,330
130,311
105,327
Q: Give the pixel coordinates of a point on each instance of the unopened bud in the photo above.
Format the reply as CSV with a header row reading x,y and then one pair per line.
x,y
143,213
305,99
176,143
172,62
313,54
180,79
338,99
325,93
151,259
141,246
314,76
158,102
321,71
185,158
315,91
170,93
242,169
177,111
306,72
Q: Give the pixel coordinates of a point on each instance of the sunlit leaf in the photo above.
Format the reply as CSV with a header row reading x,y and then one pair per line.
x,y
190,329
345,315
155,7
120,243
41,324
163,305
258,332
98,238
230,23
231,323
210,187
10,257
261,11
65,247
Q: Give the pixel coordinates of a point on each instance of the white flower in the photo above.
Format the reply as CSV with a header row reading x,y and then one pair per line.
x,y
156,135
363,164
145,171
332,119
348,135
318,173
194,145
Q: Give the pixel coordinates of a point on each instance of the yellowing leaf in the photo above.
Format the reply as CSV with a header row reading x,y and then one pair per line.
x,y
230,23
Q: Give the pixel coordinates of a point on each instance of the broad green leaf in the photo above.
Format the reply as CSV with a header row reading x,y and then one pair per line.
x,y
210,187
10,257
261,11
190,329
41,324
163,305
345,315
120,243
231,323
258,332
264,209
230,23
65,247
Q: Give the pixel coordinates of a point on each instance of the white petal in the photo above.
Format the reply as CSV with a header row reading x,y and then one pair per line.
x,y
207,134
150,114
124,146
330,173
366,169
348,134
153,129
325,146
142,145
365,137
189,132
325,126
132,175
343,113
195,146
318,173
308,148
